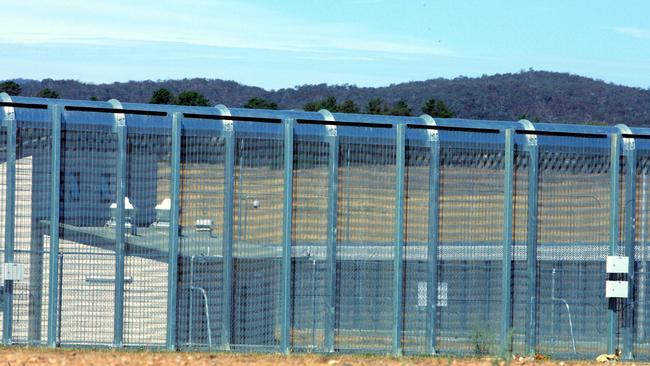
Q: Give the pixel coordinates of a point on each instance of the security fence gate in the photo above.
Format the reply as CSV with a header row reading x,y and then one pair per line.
x,y
255,230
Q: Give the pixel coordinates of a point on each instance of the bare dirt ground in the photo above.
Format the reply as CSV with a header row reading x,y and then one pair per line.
x,y
39,356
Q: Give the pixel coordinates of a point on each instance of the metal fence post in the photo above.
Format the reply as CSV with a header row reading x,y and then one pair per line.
x,y
433,238
286,237
10,221
172,260
55,181
629,149
531,237
506,279
614,176
332,215
228,213
118,316
398,265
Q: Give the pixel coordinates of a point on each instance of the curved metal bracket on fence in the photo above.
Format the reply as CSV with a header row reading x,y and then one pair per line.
x,y
9,111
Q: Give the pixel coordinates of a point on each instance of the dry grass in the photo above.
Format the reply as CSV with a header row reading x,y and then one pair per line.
x,y
39,356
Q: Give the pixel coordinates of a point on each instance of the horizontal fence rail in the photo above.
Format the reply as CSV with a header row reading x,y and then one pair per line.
x,y
132,225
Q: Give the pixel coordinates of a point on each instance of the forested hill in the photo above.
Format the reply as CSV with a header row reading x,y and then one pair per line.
x,y
538,95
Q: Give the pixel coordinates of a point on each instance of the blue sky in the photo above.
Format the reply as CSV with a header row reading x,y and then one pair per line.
x,y
276,44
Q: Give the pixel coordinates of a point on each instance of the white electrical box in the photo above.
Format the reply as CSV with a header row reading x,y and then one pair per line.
x,y
617,264
13,272
616,289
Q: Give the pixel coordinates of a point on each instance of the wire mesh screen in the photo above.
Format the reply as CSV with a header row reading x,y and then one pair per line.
x,y
520,299
420,154
457,297
641,314
87,233
3,196
147,240
573,236
257,247
471,234
201,241
309,237
366,216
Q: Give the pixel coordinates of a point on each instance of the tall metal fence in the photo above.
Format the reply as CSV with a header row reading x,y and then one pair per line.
x,y
286,231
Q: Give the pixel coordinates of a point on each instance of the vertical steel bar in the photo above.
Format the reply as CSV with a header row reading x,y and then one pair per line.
x,y
55,181
506,279
433,238
614,177
629,227
531,246
332,216
118,322
10,221
228,213
286,237
172,260
398,265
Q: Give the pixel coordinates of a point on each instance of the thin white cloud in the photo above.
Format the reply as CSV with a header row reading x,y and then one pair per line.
x,y
219,24
642,33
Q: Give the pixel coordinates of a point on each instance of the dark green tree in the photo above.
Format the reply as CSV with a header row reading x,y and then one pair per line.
x,y
311,106
401,108
348,107
10,87
47,93
437,108
192,98
93,98
162,96
260,103
376,106
328,103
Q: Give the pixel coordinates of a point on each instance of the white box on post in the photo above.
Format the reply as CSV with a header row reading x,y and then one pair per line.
x,y
617,264
13,272
617,289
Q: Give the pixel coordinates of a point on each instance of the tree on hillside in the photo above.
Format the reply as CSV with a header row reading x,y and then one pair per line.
x,y
376,106
437,108
47,93
328,103
162,96
348,107
10,87
260,103
93,98
192,98
401,108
